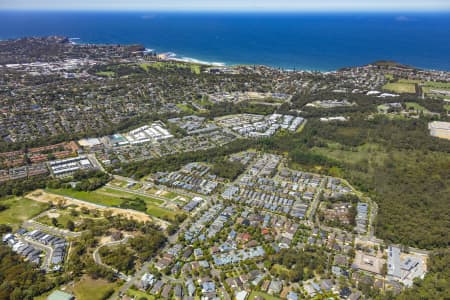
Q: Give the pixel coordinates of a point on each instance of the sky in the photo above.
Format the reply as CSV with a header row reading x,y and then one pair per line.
x,y
230,5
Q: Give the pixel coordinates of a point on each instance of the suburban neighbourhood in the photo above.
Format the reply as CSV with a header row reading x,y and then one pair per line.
x,y
126,174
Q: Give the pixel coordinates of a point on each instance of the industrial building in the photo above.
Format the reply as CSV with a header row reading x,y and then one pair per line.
x,y
440,129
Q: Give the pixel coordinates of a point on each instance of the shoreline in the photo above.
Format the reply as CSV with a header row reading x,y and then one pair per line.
x,y
173,56
294,42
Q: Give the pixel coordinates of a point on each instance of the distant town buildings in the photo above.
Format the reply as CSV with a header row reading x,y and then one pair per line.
x,y
68,166
440,129
259,126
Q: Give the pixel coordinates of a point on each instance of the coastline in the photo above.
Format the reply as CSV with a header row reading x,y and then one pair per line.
x,y
288,42
166,55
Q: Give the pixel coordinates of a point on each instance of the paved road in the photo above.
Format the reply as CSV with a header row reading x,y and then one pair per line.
x,y
48,251
171,239
98,259
96,163
373,211
316,201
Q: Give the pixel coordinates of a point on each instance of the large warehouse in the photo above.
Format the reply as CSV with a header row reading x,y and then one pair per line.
x,y
440,129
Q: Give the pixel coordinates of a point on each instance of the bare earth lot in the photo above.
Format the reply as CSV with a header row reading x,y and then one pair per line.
x,y
42,196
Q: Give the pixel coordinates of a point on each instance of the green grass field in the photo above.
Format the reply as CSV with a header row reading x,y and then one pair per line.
x,y
63,218
91,289
437,85
382,107
106,73
389,76
20,209
119,183
196,69
62,221
109,197
416,106
170,195
139,294
160,212
400,87
412,81
185,108
166,194
204,102
135,187
94,196
145,66
123,194
427,86
160,65
263,295
362,154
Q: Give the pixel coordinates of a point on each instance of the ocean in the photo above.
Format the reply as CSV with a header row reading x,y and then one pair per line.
x,y
291,41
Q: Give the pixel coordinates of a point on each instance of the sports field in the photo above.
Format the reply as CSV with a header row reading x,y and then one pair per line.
x,y
400,87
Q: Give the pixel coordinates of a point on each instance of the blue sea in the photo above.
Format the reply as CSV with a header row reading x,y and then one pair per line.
x,y
290,41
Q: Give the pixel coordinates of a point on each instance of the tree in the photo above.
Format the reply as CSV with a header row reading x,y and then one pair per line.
x,y
4,229
171,229
55,222
70,225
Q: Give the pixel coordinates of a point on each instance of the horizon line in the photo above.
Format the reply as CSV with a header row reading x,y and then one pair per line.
x,y
255,11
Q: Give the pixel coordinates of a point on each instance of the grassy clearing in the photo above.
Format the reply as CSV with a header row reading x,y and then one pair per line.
x,y
122,194
94,196
169,195
160,65
19,210
110,197
416,106
185,108
139,294
104,196
410,81
196,69
367,153
427,86
145,66
166,194
399,87
135,187
92,289
348,131
262,295
106,74
204,102
437,85
62,219
119,183
160,212
300,129
279,269
389,76
382,108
